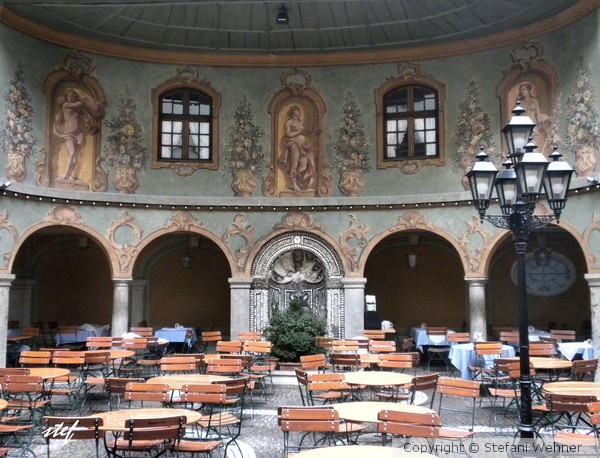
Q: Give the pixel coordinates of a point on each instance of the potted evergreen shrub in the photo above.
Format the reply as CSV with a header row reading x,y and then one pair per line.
x,y
293,332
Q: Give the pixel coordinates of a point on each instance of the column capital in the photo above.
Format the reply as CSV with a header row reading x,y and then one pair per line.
x,y
593,279
240,282
483,279
354,282
6,279
122,280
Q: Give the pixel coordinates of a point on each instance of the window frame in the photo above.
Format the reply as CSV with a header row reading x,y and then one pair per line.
x,y
412,163
185,166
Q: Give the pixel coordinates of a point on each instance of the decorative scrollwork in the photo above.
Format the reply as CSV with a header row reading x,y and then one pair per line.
x,y
474,256
244,231
64,214
12,230
594,227
298,221
412,219
184,221
125,251
358,233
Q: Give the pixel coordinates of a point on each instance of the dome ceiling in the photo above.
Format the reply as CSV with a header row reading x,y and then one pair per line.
x,y
250,26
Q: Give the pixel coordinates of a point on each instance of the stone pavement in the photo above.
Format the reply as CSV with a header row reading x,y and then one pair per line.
x,y
262,438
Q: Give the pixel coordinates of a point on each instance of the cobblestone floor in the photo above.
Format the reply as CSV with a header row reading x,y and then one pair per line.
x,y
262,438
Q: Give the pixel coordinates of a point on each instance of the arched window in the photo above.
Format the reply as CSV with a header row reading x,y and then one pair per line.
x,y
410,121
185,125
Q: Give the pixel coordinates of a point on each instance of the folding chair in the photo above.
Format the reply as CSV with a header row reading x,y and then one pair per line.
x,y
563,335
79,428
262,364
209,336
178,365
382,346
147,392
464,389
399,361
142,331
583,368
586,437
245,336
152,436
437,352
229,346
316,362
327,388
485,353
419,384
116,387
34,358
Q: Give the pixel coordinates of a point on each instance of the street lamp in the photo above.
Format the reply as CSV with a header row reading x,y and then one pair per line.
x,y
519,187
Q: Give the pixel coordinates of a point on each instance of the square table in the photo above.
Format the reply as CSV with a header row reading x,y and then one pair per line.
x,y
463,354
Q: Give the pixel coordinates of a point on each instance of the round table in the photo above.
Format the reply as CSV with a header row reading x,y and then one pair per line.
x,y
376,378
115,419
568,387
113,353
3,404
48,373
541,362
176,381
367,411
358,451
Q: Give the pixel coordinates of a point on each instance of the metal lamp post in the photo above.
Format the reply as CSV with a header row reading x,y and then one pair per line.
x,y
519,187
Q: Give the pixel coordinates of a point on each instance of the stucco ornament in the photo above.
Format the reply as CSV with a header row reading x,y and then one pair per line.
x,y
125,151
17,130
242,232
351,148
64,214
591,238
472,133
244,154
184,221
475,256
299,220
583,127
131,233
412,219
6,225
359,235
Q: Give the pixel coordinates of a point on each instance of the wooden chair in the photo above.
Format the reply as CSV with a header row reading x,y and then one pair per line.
x,y
399,361
316,362
458,337
147,392
144,362
324,343
75,362
207,337
502,384
34,358
586,437
563,335
229,346
153,436
93,342
80,428
509,338
228,424
374,334
178,365
26,397
485,353
327,388
262,364
142,331
583,368
497,330
382,346
346,361
302,379
543,349
116,387
321,425
424,425
244,336
437,352
419,383
464,389
346,346
225,366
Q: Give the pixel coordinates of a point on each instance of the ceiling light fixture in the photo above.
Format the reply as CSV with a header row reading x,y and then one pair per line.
x,y
282,15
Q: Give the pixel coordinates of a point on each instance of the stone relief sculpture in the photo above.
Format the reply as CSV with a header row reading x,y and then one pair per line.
x,y
297,162
73,127
17,129
583,126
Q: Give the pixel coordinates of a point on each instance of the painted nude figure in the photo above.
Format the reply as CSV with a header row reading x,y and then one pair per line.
x,y
296,158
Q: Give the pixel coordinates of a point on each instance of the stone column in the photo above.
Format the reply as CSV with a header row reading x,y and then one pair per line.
x,y
240,306
120,316
354,319
594,282
20,301
5,282
138,289
477,319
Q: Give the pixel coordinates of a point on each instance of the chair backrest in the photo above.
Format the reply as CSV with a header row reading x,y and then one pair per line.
x,y
136,343
569,403
34,358
508,337
24,384
313,362
458,337
542,349
324,342
345,360
407,360
231,366
213,393
102,342
497,330
488,348
374,334
178,364
142,331
78,427
249,335
308,419
408,344
211,336
344,346
4,371
425,382
152,429
97,357
68,358
117,385
151,392
258,347
458,387
413,424
583,367
302,379
382,346
563,334
229,346
436,331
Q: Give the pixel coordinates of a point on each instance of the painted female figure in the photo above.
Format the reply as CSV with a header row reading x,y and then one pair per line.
x,y
296,159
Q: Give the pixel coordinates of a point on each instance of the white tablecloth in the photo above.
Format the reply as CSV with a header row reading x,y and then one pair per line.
x,y
80,337
419,335
176,335
463,354
570,349
534,336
